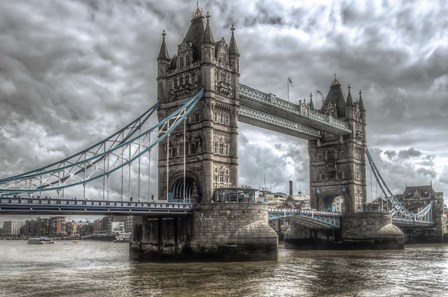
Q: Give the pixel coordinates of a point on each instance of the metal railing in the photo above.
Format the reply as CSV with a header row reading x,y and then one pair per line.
x,y
270,99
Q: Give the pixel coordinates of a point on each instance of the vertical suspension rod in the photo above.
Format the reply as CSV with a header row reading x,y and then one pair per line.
x,y
185,160
104,168
130,169
122,169
167,161
139,164
149,166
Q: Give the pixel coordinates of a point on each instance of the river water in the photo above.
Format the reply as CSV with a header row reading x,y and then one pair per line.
x,y
90,268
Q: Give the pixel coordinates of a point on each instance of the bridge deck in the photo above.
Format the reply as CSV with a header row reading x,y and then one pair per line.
x,y
96,207
267,111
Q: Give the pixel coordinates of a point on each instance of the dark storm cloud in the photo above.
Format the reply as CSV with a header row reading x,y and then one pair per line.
x,y
72,72
409,153
390,154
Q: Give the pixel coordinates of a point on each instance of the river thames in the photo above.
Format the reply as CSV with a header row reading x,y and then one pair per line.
x,y
90,268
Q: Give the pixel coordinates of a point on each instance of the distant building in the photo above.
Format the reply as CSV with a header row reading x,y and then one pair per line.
x,y
37,227
12,228
379,204
57,226
129,224
272,199
103,225
416,198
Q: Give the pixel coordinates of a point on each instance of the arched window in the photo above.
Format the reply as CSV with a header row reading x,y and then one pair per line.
x,y
181,62
331,155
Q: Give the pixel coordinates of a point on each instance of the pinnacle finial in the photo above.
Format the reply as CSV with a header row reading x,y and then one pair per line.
x,y
198,11
335,81
163,54
233,48
361,104
349,97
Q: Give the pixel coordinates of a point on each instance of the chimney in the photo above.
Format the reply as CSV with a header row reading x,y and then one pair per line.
x,y
290,188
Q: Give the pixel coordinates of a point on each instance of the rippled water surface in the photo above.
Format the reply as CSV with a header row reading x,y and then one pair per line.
x,y
98,269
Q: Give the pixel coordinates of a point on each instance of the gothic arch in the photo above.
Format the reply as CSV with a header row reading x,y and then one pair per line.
x,y
334,202
192,187
331,154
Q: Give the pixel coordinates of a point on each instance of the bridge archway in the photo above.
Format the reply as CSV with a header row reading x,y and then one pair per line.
x,y
333,203
192,188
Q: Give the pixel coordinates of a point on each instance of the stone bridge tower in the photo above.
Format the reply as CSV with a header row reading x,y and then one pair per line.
x,y
337,164
211,138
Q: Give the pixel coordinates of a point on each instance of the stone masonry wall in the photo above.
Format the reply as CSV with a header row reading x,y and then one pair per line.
x,y
240,229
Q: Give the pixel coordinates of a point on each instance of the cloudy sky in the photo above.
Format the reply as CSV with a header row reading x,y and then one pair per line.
x,y
73,72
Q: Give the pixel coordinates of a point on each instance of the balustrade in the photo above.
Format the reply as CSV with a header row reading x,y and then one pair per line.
x,y
256,95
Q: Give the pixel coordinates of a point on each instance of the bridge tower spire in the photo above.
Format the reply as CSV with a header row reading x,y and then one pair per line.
x,y
211,154
337,163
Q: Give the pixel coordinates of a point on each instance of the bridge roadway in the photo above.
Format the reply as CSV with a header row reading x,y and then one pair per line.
x,y
10,205
308,217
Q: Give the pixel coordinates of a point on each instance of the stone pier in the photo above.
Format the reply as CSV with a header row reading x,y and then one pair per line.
x,y
360,230
215,231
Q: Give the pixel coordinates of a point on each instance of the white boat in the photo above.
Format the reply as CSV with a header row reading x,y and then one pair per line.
x,y
123,237
40,240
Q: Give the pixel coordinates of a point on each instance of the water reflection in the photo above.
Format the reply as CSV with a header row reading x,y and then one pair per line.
x,y
103,269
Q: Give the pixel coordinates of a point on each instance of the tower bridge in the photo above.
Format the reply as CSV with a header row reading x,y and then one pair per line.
x,y
200,104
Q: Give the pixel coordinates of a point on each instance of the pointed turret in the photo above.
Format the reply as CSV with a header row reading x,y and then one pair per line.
x,y
361,104
311,102
208,36
233,48
195,34
349,97
163,60
334,103
234,54
163,54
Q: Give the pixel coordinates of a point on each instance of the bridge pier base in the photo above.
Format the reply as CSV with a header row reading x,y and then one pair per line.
x,y
215,231
371,230
233,232
360,230
299,236
160,238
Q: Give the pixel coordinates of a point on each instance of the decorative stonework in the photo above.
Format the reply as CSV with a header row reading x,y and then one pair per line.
x,y
338,163
211,140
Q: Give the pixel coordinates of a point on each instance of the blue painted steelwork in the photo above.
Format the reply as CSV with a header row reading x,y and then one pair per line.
x,y
59,176
18,205
399,212
113,140
331,219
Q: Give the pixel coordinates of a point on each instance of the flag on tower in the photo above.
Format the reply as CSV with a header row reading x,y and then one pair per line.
x,y
290,81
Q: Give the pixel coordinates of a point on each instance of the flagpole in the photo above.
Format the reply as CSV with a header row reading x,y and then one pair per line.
x,y
287,86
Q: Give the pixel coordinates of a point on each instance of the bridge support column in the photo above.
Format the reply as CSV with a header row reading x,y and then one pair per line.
x,y
161,238
233,232
301,237
360,230
370,230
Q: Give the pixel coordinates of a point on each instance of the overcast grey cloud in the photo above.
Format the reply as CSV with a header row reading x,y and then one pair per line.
x,y
73,72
